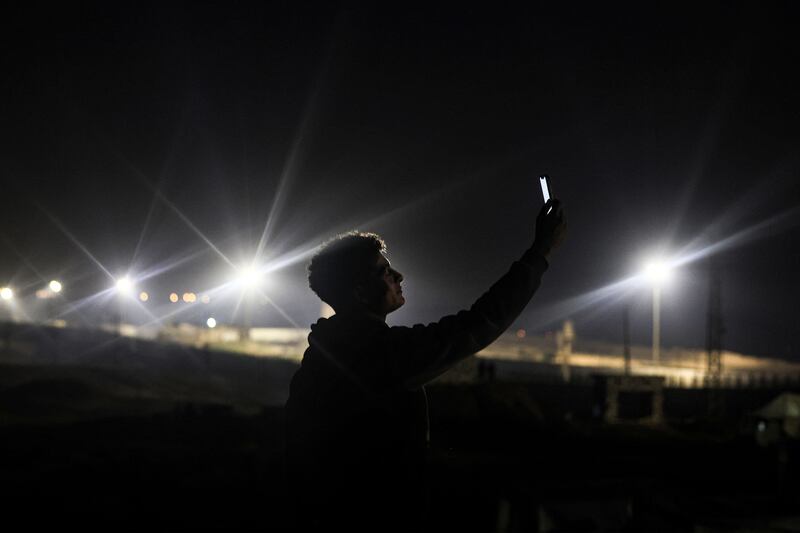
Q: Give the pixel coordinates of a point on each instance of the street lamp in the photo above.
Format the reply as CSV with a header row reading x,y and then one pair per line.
x,y
657,272
7,295
124,287
249,279
49,295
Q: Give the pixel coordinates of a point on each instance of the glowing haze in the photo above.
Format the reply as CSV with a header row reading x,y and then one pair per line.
x,y
178,146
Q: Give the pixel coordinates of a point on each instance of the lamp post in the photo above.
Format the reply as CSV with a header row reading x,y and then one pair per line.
x,y
249,279
55,287
656,323
6,295
657,272
124,286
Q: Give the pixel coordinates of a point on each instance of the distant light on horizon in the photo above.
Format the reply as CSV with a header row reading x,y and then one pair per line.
x,y
6,293
173,297
143,296
189,297
211,323
205,299
55,286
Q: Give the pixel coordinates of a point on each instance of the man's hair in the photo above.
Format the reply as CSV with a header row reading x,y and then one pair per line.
x,y
342,264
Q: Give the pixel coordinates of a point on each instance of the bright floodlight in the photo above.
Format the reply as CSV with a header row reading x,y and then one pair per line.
x,y
211,323
657,271
55,286
124,285
249,277
6,293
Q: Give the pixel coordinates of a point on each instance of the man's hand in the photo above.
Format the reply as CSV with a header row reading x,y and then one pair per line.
x,y
550,228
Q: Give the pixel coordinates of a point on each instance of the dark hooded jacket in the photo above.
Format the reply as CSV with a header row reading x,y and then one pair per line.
x,y
357,415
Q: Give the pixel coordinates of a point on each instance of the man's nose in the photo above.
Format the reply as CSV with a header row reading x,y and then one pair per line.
x,y
397,276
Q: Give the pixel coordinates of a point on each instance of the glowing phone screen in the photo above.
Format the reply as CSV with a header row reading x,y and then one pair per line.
x,y
545,189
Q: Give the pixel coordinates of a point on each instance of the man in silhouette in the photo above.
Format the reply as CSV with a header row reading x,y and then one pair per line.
x,y
357,413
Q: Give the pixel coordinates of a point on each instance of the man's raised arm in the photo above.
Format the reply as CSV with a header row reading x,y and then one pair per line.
x,y
420,353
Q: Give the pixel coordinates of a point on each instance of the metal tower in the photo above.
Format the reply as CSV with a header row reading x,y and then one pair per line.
x,y
714,332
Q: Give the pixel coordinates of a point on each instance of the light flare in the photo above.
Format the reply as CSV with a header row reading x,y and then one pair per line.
x,y
657,271
74,240
249,277
124,285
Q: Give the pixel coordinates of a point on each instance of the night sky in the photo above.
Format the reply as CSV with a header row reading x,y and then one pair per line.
x,y
665,129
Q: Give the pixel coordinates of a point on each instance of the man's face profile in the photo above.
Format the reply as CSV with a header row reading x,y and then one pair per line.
x,y
389,281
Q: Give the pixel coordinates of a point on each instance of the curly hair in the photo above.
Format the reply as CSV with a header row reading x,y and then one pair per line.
x,y
342,264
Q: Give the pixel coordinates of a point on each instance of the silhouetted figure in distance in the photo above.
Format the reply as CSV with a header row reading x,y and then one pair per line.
x,y
357,413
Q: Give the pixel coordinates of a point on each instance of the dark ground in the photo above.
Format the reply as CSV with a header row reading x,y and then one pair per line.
x,y
505,457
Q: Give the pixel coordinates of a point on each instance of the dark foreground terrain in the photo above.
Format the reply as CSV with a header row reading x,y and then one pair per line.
x,y
146,446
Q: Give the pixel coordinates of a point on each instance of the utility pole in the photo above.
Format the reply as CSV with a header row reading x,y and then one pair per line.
x,y
714,332
657,324
626,338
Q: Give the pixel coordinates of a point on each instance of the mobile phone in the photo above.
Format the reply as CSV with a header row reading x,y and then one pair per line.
x,y
544,182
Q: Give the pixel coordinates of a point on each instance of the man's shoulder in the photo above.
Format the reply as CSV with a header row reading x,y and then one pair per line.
x,y
345,350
